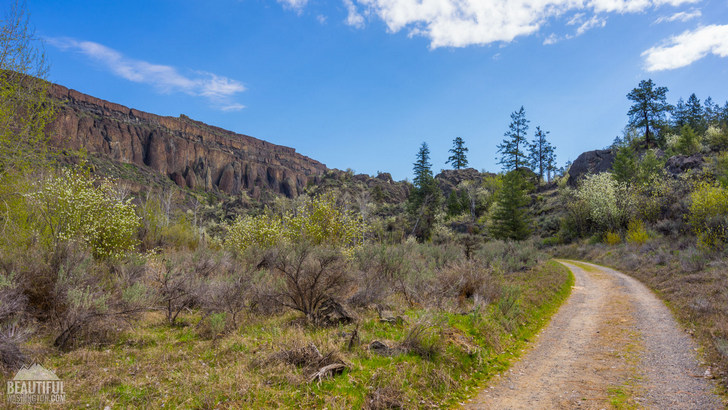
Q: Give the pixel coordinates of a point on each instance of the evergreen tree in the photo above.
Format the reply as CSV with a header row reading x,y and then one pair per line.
x,y
511,149
711,111
541,154
694,113
625,164
679,115
422,166
649,108
425,198
458,159
509,218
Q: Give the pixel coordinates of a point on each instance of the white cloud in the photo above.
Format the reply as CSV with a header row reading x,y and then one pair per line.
x,y
321,19
551,39
460,23
296,5
353,18
687,48
232,107
595,21
166,79
680,16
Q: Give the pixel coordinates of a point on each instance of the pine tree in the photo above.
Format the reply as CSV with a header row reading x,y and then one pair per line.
x,y
458,159
649,108
509,219
422,167
679,115
511,149
541,154
694,113
425,198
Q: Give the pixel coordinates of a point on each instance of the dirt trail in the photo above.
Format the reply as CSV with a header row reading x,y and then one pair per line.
x,y
612,344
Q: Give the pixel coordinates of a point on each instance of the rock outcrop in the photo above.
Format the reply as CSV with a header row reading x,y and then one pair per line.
x,y
590,162
191,153
682,163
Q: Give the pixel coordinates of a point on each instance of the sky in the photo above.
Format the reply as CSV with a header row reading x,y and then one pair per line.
x,y
360,84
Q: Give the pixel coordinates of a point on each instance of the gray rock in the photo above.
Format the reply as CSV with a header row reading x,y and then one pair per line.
x,y
681,163
590,162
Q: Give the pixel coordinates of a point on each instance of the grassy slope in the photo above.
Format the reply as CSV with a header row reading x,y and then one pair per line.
x,y
154,365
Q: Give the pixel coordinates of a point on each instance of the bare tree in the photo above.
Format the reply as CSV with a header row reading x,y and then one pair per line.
x,y
310,278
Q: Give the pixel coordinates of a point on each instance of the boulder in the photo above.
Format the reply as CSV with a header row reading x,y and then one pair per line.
x,y
332,313
682,163
590,162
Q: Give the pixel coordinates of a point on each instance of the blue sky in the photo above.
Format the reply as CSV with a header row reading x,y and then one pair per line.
x,y
362,83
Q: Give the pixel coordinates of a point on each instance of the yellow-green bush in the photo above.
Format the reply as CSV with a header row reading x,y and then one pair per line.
x,y
636,232
708,214
318,221
74,206
613,238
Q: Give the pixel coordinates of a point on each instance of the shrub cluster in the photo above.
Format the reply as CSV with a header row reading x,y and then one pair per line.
x,y
318,221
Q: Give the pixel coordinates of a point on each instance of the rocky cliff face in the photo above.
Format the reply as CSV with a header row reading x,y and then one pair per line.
x,y
191,153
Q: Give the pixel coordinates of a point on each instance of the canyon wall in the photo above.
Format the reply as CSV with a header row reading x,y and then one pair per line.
x,y
191,153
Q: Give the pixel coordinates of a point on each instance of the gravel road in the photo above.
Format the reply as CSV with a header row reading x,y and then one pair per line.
x,y
612,344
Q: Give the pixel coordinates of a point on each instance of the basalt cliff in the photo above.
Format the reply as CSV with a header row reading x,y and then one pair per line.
x,y
191,153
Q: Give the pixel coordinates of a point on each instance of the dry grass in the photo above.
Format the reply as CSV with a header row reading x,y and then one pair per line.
x,y
269,360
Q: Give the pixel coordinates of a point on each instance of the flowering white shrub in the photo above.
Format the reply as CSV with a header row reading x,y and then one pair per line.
x,y
76,207
607,200
317,220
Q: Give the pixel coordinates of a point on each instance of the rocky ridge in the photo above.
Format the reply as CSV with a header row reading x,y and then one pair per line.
x,y
193,154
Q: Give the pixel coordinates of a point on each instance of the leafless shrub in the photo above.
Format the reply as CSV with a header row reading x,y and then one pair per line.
x,y
11,355
175,285
12,333
90,302
227,294
309,278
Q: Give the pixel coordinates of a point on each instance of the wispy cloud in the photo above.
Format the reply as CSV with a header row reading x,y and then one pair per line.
x,y
166,79
680,16
687,48
593,22
461,23
584,26
353,18
296,5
